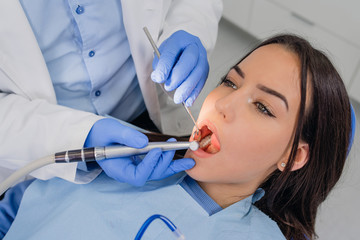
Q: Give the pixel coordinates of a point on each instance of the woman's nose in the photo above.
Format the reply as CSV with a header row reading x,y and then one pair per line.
x,y
225,107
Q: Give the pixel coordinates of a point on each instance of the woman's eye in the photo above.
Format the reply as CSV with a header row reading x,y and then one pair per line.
x,y
229,83
263,109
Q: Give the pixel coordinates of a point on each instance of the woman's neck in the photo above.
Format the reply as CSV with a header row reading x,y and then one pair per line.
x,y
226,194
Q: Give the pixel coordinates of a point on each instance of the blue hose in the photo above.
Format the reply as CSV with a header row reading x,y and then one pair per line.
x,y
168,223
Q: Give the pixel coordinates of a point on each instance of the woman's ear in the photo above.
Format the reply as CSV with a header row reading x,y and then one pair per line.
x,y
302,156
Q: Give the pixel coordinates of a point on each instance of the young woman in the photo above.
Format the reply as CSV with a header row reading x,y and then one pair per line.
x,y
274,139
281,121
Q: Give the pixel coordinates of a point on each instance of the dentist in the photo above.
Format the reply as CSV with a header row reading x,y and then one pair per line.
x,y
66,65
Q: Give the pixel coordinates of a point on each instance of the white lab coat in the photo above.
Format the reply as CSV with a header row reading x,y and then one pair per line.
x,y
32,125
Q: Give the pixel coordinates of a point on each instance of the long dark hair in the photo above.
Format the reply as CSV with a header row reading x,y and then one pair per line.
x,y
292,197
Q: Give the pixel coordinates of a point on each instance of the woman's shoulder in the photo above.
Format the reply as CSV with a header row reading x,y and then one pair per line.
x,y
262,226
255,225
243,220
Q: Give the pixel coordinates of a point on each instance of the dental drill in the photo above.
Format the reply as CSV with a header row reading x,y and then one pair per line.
x,y
93,154
108,152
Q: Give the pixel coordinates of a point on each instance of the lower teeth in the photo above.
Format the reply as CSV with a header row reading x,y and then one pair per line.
x,y
205,141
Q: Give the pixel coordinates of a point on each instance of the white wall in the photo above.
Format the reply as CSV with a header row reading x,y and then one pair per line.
x,y
338,216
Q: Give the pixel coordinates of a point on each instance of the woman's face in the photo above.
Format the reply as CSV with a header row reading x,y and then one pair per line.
x,y
252,116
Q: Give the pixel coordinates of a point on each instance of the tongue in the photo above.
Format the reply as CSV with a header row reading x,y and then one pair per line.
x,y
212,149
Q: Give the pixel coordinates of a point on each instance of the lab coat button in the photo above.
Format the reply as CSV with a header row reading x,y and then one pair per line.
x,y
80,10
98,93
91,53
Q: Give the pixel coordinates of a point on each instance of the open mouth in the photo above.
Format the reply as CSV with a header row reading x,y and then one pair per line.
x,y
207,140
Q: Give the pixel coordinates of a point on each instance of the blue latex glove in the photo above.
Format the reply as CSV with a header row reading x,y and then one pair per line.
x,y
183,66
155,165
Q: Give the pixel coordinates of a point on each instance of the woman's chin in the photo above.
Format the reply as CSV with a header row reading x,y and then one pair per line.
x,y
188,154
191,172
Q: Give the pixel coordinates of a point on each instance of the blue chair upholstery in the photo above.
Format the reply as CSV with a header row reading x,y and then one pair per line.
x,y
353,126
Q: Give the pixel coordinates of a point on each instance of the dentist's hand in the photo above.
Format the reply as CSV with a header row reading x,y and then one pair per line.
x,y
165,165
155,165
183,66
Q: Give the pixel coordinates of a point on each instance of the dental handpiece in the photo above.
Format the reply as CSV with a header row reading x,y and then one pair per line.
x,y
108,152
91,154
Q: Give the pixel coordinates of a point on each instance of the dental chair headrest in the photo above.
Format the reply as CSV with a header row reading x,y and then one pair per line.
x,y
353,126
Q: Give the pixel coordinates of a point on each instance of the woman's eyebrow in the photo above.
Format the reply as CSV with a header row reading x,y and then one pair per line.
x,y
273,92
264,88
239,71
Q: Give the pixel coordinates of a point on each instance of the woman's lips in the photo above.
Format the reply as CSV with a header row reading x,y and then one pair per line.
x,y
207,128
201,153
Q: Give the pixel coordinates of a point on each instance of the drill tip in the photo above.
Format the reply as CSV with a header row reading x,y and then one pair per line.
x,y
194,145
